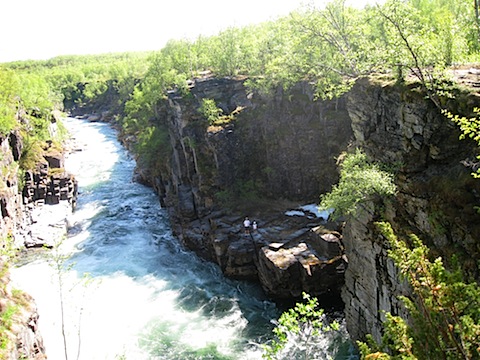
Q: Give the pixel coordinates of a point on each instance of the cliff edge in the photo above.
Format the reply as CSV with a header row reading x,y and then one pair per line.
x,y
278,153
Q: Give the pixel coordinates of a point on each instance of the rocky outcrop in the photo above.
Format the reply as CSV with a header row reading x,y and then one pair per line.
x,y
436,196
49,184
372,282
21,338
29,220
10,199
288,254
315,264
278,147
286,144
284,147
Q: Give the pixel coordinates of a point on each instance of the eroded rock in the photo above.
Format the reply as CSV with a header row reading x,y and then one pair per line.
x,y
287,271
400,127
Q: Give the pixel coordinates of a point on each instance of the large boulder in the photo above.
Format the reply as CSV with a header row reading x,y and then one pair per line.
x,y
287,270
288,255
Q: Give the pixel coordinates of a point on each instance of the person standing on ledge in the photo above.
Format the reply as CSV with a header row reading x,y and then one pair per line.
x,y
246,225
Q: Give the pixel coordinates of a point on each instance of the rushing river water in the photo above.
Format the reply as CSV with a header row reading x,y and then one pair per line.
x,y
145,297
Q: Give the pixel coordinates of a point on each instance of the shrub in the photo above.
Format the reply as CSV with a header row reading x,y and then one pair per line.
x,y
360,180
210,111
444,310
304,322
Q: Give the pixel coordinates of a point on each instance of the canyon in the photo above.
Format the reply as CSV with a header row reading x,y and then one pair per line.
x,y
25,224
280,152
271,162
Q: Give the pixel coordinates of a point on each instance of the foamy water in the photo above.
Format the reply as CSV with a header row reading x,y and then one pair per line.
x,y
145,297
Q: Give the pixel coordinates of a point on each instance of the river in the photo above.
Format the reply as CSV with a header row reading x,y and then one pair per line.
x,y
129,290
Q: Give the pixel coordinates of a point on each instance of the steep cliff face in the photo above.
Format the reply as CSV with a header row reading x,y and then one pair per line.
x,y
19,327
22,194
21,224
18,331
10,199
285,147
286,144
436,197
277,152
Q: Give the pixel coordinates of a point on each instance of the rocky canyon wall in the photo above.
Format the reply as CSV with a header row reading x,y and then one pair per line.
x,y
277,153
20,225
436,199
23,193
286,143
283,148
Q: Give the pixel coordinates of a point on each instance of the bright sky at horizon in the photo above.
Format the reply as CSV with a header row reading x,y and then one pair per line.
x,y
34,30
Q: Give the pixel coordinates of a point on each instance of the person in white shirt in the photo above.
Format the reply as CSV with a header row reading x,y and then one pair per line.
x,y
246,225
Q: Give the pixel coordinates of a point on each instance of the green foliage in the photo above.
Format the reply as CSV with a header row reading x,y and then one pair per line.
x,y
305,320
334,46
26,104
36,96
152,141
7,173
210,111
77,81
6,322
444,311
153,146
396,339
137,111
12,300
214,114
93,90
359,181
9,88
470,128
328,46
32,153
83,80
7,250
425,37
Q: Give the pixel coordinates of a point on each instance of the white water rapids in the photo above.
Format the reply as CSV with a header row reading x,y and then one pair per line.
x,y
146,297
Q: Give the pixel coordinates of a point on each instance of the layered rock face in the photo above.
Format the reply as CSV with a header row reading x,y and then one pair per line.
x,y
28,220
10,199
280,147
287,144
436,196
49,184
284,146
28,342
24,339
